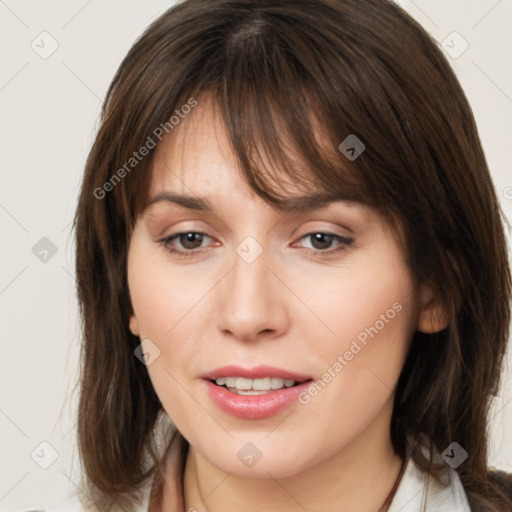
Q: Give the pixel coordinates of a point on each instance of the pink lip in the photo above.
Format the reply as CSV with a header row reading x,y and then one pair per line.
x,y
254,406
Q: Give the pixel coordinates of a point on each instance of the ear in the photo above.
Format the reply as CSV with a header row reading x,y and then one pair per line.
x,y
134,326
433,316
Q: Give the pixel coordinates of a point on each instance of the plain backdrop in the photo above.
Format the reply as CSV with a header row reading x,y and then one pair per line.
x,y
49,108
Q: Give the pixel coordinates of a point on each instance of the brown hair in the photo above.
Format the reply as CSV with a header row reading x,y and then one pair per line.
x,y
315,71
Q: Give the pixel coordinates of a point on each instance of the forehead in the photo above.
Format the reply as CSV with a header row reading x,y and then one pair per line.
x,y
197,159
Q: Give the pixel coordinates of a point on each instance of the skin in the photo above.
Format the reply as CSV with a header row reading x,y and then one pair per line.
x,y
290,308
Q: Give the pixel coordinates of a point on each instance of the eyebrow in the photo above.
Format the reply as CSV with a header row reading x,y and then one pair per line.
x,y
299,203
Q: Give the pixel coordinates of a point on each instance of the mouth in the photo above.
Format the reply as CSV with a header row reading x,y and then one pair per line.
x,y
255,393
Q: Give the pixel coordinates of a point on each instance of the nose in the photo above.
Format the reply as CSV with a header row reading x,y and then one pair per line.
x,y
252,302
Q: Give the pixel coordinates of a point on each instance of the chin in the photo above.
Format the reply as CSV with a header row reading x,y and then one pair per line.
x,y
261,458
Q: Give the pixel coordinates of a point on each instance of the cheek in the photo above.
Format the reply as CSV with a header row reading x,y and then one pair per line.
x,y
163,304
358,366
172,312
162,297
369,304
370,314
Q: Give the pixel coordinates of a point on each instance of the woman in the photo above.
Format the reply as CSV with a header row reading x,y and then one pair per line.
x,y
291,268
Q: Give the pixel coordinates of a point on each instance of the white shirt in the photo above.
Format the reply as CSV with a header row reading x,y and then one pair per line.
x,y
416,493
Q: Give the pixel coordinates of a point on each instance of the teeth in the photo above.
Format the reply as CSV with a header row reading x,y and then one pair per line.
x,y
242,383
261,384
244,386
276,383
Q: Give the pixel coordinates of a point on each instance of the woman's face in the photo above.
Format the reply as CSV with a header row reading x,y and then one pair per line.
x,y
263,299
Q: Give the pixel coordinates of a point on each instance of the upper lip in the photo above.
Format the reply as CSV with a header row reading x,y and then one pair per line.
x,y
257,372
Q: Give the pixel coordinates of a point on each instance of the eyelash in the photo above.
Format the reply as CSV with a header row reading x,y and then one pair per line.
x,y
343,241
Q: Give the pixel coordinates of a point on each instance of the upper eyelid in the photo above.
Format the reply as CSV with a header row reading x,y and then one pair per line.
x,y
299,229
293,216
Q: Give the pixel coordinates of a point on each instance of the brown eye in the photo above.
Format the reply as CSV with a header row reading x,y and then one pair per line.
x,y
190,240
321,241
325,243
185,243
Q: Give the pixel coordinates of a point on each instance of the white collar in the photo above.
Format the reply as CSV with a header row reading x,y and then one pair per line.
x,y
420,492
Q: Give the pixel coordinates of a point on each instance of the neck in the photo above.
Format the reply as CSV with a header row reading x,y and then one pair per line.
x,y
359,477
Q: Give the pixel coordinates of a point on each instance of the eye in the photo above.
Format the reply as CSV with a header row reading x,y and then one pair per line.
x,y
190,241
322,242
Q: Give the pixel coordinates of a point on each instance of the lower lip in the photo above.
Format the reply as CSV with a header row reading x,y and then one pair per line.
x,y
254,407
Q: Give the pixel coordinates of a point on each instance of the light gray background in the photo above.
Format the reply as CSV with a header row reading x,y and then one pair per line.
x,y
49,114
